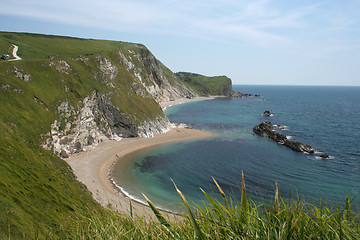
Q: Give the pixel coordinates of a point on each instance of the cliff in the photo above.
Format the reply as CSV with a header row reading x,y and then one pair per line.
x,y
90,90
64,95
207,86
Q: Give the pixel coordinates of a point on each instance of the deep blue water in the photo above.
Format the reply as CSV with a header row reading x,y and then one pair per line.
x,y
327,118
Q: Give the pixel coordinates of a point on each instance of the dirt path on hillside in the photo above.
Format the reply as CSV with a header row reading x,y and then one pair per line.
x,y
14,53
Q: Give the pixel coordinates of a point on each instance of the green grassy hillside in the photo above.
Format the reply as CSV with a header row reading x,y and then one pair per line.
x,y
40,197
48,84
207,86
40,47
38,192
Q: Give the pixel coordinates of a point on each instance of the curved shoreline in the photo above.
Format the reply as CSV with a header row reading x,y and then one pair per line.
x,y
93,168
117,164
165,105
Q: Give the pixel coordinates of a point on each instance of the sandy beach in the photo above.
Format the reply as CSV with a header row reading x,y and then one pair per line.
x,y
92,167
167,104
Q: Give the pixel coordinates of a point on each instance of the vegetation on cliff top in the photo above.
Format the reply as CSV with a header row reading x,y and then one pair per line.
x,y
40,197
207,86
38,191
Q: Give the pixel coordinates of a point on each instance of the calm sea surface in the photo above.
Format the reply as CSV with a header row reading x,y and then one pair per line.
x,y
327,118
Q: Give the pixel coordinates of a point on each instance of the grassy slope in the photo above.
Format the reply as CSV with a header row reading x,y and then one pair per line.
x,y
38,192
40,197
35,50
204,85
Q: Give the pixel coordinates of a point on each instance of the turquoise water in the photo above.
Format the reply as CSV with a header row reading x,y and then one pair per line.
x,y
327,118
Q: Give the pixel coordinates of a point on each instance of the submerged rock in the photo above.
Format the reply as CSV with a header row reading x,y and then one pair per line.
x,y
324,156
267,113
266,129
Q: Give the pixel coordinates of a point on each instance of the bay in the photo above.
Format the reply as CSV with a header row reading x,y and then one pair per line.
x,y
327,118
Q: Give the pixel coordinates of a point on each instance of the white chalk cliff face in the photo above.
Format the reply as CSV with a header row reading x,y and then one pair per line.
x,y
96,118
150,73
96,121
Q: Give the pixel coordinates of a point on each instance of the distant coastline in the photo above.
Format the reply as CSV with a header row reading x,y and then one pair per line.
x,y
167,104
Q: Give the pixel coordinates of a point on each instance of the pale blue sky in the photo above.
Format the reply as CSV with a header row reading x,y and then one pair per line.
x,y
252,42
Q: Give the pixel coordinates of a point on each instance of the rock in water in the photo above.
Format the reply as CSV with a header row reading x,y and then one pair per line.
x,y
267,113
324,156
266,129
298,146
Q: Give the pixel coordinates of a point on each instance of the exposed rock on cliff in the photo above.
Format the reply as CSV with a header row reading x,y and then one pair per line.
x,y
95,121
266,129
89,91
159,81
130,79
68,94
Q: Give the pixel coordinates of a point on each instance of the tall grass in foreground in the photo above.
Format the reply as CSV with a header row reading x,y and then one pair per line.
x,y
230,219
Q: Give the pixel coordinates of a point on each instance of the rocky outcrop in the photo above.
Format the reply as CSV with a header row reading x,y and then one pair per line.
x,y
132,77
95,121
266,129
26,77
267,113
244,95
324,156
158,80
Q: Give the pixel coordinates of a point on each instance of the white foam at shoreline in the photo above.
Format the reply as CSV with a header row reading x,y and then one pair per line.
x,y
128,195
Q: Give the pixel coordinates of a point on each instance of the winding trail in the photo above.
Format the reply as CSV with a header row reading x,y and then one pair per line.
x,y
14,53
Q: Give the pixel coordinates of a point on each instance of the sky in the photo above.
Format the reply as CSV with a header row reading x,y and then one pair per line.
x,y
267,42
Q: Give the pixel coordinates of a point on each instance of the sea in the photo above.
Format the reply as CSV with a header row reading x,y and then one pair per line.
x,y
325,117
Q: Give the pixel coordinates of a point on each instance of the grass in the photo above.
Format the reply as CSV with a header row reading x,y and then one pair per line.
x,y
40,197
207,86
38,191
52,87
39,47
228,219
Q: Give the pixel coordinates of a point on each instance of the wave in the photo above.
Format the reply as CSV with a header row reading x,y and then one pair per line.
x,y
135,199
329,158
281,127
317,154
126,194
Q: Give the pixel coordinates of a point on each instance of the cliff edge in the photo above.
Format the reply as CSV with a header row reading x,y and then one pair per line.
x,y
64,96
86,91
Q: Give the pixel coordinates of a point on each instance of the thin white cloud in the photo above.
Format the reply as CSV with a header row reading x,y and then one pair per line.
x,y
263,22
108,14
